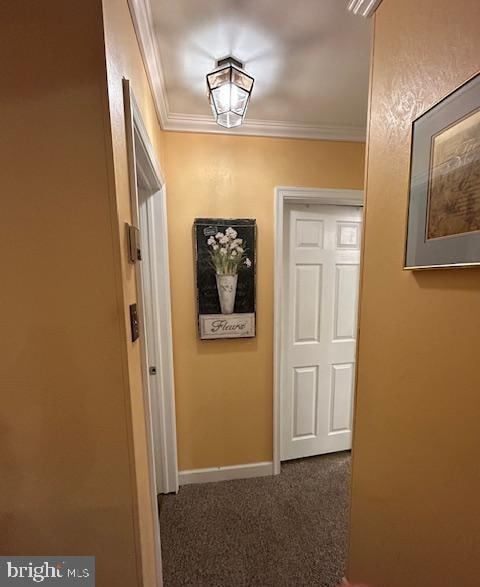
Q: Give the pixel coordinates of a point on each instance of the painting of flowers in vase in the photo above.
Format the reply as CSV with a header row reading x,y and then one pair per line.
x,y
225,275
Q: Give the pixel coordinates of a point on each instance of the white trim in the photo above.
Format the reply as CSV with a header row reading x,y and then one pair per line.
x,y
142,159
145,156
266,128
159,331
225,473
159,231
366,8
283,196
143,24
130,131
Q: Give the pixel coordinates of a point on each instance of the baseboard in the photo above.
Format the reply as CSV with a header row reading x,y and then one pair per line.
x,y
225,473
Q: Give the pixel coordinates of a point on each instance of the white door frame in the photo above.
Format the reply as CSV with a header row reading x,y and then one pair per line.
x,y
146,163
283,197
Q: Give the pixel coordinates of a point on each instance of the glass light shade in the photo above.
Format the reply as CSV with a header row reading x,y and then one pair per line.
x,y
229,89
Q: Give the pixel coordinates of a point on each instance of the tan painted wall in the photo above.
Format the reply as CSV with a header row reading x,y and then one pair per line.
x,y
224,388
416,478
72,418
124,61
67,484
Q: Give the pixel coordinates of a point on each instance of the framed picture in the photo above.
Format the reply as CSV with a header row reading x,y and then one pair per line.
x,y
225,273
443,228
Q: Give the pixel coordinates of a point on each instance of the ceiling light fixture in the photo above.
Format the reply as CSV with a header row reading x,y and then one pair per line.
x,y
363,7
229,90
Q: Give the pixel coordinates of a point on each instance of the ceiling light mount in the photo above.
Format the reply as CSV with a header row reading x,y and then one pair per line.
x,y
229,61
229,91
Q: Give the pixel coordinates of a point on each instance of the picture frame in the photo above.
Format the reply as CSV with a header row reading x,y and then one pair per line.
x,y
443,223
225,268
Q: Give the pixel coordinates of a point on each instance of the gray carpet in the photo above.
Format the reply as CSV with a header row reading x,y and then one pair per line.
x,y
289,530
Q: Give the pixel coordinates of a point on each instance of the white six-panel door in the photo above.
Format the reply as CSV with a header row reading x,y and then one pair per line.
x,y
320,292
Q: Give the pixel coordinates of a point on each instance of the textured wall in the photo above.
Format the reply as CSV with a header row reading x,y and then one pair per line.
x,y
224,387
416,478
123,60
65,462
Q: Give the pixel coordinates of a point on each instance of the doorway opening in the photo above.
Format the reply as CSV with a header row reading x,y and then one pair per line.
x,y
148,207
317,262
289,528
149,214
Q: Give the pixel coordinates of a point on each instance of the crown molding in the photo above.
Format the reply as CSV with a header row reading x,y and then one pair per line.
x,y
143,24
266,128
365,8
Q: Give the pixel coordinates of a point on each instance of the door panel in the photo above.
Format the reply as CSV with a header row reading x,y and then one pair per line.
x,y
309,233
341,397
308,290
305,401
345,310
320,313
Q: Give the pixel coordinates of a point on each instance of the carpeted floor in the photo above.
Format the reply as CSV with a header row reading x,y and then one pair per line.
x,y
289,530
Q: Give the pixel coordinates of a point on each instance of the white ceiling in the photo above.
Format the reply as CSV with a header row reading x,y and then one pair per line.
x,y
309,58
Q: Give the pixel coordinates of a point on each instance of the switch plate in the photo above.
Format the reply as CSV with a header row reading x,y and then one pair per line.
x,y
133,238
134,325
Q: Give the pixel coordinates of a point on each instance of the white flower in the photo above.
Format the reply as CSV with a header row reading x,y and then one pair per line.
x,y
231,233
248,263
215,247
211,241
224,240
219,235
234,253
240,250
239,241
223,251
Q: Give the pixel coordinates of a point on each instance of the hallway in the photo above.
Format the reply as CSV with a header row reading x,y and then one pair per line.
x,y
285,530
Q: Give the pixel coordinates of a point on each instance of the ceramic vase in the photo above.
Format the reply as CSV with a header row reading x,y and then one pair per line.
x,y
227,289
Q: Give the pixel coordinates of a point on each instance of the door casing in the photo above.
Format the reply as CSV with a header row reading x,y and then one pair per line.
x,y
143,163
284,196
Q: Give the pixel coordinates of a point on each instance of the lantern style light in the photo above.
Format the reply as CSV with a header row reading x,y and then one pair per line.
x,y
229,90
